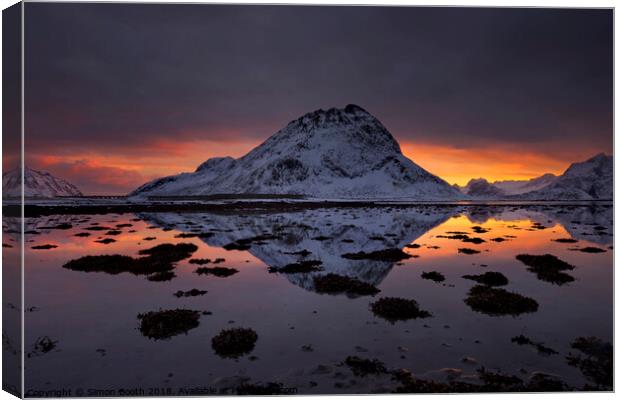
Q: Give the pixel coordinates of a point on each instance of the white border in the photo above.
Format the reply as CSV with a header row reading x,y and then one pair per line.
x,y
478,3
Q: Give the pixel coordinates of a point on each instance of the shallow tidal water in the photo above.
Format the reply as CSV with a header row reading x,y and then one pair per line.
x,y
82,328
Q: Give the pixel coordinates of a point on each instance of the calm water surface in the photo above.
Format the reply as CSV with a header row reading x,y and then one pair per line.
x,y
91,317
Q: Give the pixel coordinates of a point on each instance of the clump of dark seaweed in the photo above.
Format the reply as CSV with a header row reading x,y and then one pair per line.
x,y
220,272
489,278
112,264
597,365
390,255
162,276
106,241
233,343
474,240
479,229
493,301
199,261
466,250
62,226
42,345
238,245
299,267
456,236
335,284
363,366
547,268
524,340
538,225
44,247
565,240
590,249
433,276
169,253
161,325
160,259
190,293
498,382
394,309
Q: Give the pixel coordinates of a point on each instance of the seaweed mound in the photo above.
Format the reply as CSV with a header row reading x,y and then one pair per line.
x,y
169,253
390,255
394,309
363,366
233,343
336,284
493,301
433,276
489,278
465,250
159,259
548,268
597,365
220,272
299,267
160,325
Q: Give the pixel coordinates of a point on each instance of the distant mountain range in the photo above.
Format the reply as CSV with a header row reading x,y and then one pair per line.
x,y
336,153
36,184
588,180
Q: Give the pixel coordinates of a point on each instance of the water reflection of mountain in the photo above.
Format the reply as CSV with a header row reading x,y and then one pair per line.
x,y
582,222
326,234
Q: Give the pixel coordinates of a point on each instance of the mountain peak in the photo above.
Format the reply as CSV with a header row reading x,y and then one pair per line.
x,y
334,153
36,184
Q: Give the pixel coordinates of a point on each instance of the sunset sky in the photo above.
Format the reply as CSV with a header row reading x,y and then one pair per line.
x,y
118,94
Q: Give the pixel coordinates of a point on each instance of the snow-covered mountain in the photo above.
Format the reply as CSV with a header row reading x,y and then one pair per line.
x,y
481,189
36,184
337,153
512,187
587,180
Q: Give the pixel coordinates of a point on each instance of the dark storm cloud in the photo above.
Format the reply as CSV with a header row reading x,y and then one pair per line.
x,y
118,75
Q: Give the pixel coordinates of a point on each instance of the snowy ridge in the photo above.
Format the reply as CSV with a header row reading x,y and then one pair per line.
x,y
36,184
518,187
335,153
588,180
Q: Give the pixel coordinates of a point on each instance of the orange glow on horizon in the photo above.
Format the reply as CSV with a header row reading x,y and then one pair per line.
x,y
126,169
458,166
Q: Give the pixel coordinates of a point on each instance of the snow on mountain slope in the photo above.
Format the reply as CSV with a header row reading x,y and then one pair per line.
x,y
481,189
588,180
518,187
337,153
36,184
